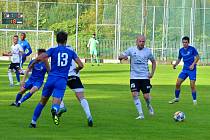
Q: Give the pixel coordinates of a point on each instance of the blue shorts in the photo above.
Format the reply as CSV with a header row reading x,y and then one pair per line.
x,y
30,83
54,86
185,73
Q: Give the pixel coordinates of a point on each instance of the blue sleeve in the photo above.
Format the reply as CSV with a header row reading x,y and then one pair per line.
x,y
30,63
49,52
74,55
195,52
180,55
28,47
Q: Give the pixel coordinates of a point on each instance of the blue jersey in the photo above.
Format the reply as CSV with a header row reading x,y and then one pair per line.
x,y
188,56
38,71
26,46
61,58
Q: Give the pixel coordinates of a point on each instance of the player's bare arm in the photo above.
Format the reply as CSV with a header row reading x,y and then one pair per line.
x,y
197,58
7,54
80,65
153,68
47,65
121,57
39,58
177,62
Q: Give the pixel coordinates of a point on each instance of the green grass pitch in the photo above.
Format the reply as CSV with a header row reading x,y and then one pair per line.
x,y
113,110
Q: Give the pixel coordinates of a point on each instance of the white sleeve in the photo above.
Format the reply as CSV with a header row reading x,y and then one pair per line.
x,y
127,52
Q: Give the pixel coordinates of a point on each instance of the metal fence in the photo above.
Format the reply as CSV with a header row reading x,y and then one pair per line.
x,y
116,24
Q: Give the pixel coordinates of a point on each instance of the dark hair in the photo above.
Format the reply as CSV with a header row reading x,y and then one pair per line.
x,y
23,33
15,36
186,38
61,37
41,50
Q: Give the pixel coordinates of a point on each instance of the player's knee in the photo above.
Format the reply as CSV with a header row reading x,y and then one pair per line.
x,y
178,84
135,94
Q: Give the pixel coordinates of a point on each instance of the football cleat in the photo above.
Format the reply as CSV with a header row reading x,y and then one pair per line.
x,y
90,122
61,111
55,117
140,117
173,101
31,125
13,104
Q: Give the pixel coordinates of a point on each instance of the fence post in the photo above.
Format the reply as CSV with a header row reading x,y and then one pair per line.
x,y
77,18
37,26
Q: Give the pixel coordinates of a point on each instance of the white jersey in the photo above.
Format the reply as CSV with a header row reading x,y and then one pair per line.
x,y
139,68
72,67
72,70
16,51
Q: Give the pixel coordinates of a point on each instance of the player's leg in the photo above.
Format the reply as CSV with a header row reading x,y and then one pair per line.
x,y
145,88
58,94
46,93
62,108
10,74
134,86
84,103
38,110
91,57
96,56
192,77
17,72
18,96
182,76
28,95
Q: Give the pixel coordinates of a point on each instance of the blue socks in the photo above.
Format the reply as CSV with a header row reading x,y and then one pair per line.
x,y
28,95
56,107
194,95
18,76
37,112
177,92
18,97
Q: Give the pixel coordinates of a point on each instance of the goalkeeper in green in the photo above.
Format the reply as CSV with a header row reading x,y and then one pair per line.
x,y
92,44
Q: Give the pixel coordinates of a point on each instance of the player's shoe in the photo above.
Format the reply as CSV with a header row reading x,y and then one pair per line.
x,y
11,85
90,122
13,104
55,117
17,84
195,102
31,125
140,117
18,104
173,101
61,111
151,110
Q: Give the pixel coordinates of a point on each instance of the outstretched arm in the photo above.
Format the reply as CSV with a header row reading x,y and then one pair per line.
x,y
41,57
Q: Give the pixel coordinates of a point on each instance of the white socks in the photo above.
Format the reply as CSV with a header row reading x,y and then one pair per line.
x,y
86,108
62,104
137,102
10,78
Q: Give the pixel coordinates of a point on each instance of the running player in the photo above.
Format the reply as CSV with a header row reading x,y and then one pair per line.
x,y
139,73
61,58
34,82
190,58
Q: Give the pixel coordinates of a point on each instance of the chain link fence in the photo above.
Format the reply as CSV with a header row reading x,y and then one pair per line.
x,y
117,24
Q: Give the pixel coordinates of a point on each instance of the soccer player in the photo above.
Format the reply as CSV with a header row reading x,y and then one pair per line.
x,y
27,51
139,73
92,44
61,58
76,85
34,82
15,53
190,58
26,47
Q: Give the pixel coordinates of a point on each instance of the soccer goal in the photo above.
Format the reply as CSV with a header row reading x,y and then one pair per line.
x,y
36,38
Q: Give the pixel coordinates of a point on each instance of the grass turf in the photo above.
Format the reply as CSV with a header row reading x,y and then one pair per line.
x,y
113,110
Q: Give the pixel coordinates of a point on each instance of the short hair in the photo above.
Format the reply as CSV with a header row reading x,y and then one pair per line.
x,y
94,34
61,37
23,33
41,50
15,36
186,38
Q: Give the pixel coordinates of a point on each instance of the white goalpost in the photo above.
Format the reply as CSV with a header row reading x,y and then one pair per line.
x,y
36,38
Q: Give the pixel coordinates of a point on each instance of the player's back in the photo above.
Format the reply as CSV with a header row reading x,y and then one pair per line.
x,y
61,58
